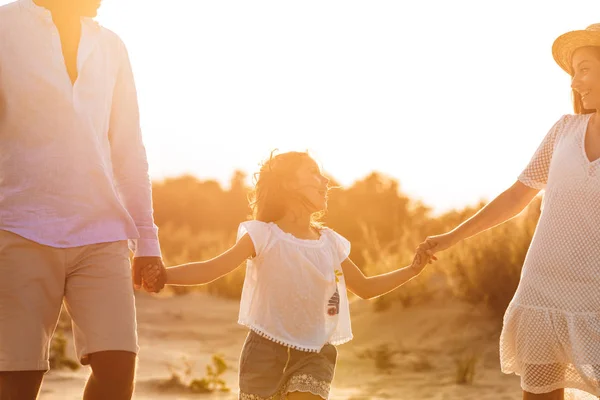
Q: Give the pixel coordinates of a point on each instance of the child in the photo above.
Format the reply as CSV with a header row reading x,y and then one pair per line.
x,y
294,298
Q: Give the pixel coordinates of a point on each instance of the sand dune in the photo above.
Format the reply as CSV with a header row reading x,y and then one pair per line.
x,y
424,345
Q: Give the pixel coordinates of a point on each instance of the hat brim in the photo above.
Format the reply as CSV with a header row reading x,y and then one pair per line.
x,y
565,45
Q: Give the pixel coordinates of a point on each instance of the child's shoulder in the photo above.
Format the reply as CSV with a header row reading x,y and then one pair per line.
x,y
339,243
333,235
255,222
254,228
327,230
259,232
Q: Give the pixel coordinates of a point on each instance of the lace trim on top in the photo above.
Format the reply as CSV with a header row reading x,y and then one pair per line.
x,y
286,344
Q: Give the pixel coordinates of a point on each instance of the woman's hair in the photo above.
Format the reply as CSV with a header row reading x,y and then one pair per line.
x,y
577,103
271,198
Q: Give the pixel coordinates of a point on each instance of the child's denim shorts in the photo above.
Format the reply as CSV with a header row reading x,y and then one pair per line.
x,y
268,370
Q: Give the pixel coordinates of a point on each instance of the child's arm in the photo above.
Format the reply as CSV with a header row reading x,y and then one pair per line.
x,y
375,286
202,272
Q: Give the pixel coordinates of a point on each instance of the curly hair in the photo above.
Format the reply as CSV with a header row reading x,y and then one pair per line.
x,y
270,199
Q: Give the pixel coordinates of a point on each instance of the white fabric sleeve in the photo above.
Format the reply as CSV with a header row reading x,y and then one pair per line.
x,y
342,245
259,233
535,175
128,156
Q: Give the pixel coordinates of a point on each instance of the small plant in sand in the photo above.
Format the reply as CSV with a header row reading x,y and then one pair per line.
x,y
466,364
212,382
183,381
58,353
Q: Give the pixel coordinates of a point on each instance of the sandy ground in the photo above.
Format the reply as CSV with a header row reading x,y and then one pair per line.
x,y
425,344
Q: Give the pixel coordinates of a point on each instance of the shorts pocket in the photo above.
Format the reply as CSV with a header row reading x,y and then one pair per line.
x,y
259,352
329,351
261,366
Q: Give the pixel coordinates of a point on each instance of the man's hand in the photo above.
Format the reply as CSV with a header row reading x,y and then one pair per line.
x,y
139,263
150,275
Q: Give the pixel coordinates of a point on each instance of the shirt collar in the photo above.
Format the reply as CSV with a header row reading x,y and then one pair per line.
x,y
46,15
40,12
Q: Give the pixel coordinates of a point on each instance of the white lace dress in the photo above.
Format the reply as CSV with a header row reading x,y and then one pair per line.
x,y
551,333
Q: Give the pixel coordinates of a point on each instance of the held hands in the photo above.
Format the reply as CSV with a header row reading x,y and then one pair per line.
x,y
426,250
140,276
420,260
434,244
151,275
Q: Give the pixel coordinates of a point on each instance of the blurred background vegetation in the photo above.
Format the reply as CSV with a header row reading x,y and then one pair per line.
x,y
198,219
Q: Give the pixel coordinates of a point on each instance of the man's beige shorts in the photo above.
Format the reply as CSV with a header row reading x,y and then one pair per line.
x,y
95,283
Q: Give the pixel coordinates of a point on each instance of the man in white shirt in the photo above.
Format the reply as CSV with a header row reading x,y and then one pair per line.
x,y
74,191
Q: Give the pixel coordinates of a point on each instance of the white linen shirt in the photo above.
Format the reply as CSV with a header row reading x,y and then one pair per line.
x,y
73,168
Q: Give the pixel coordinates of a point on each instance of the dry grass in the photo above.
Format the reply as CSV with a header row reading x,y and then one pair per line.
x,y
483,270
182,378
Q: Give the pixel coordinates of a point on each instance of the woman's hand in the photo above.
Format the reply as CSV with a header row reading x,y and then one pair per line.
x,y
434,244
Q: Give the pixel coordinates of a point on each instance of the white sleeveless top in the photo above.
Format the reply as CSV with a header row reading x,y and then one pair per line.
x,y
294,291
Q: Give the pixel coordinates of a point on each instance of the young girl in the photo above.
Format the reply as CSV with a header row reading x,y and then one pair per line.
x,y
294,298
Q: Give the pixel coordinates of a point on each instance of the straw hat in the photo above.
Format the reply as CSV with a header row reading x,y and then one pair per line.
x,y
565,45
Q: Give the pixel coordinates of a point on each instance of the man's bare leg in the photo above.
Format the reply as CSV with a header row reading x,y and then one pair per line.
x,y
112,376
20,385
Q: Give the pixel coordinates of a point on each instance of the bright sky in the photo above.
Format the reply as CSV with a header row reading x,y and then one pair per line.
x,y
449,97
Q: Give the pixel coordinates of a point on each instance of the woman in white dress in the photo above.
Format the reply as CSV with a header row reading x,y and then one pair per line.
x,y
551,333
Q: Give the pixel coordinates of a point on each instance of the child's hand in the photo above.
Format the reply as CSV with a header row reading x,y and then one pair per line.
x,y
420,260
150,274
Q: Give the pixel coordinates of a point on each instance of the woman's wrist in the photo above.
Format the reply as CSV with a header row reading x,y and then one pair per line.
x,y
457,235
